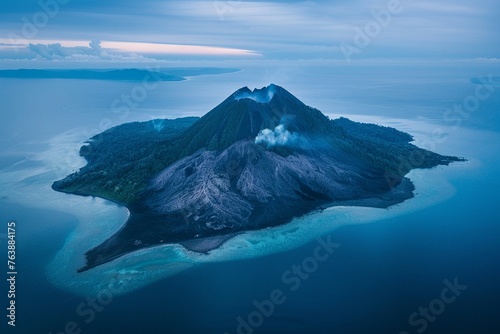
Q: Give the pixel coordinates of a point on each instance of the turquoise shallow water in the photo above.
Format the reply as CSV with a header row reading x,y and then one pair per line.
x,y
381,273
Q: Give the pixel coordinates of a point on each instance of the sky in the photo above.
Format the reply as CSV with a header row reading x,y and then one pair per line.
x,y
116,31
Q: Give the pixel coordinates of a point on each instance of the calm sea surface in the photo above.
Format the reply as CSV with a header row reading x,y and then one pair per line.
x,y
380,275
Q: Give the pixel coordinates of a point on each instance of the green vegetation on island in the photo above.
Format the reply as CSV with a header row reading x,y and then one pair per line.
x,y
123,159
258,159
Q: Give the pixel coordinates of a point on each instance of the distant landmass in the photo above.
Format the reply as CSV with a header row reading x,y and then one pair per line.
x,y
258,159
172,74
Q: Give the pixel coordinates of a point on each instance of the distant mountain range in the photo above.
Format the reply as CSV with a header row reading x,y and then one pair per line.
x,y
166,74
258,159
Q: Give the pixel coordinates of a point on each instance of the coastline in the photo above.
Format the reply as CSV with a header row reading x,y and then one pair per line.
x,y
98,219
115,201
204,245
359,165
122,242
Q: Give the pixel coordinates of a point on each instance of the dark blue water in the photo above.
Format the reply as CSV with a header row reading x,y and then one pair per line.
x,y
382,273
39,235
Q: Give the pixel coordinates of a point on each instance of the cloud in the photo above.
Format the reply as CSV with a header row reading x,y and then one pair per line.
x,y
274,29
92,52
121,51
50,51
56,51
176,49
491,60
277,137
96,46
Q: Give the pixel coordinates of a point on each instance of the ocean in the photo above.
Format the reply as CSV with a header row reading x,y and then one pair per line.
x,y
431,264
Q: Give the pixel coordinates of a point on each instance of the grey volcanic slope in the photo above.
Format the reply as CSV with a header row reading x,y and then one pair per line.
x,y
257,160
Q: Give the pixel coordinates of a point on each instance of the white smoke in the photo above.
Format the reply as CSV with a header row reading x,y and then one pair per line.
x,y
277,137
263,95
158,124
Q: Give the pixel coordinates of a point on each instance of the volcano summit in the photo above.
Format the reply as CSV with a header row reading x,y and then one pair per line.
x,y
258,159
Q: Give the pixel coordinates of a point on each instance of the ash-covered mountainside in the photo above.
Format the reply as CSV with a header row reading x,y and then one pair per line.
x,y
258,159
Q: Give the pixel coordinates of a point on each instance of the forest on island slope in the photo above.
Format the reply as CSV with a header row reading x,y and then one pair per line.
x,y
123,159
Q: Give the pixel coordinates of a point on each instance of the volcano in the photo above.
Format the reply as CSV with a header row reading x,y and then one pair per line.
x,y
258,159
